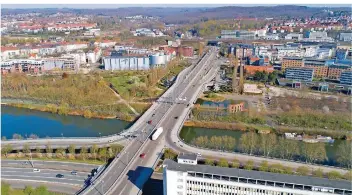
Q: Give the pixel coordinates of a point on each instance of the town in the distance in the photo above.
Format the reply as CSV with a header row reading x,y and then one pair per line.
x,y
185,100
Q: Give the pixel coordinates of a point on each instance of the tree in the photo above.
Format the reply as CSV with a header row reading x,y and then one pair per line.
x,y
110,153
209,162
313,152
267,144
64,75
103,154
248,142
17,136
264,166
249,165
286,149
7,149
72,149
28,190
169,154
5,188
48,148
93,150
26,149
223,163
343,154
348,175
116,148
3,138
318,173
83,152
60,152
334,175
235,164
302,170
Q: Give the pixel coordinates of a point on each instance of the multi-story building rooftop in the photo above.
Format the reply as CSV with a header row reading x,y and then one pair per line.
x,y
186,179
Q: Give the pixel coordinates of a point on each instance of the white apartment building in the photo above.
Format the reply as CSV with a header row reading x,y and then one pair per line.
x,y
186,179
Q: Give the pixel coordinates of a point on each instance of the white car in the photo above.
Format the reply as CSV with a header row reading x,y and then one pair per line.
x,y
36,170
110,141
199,155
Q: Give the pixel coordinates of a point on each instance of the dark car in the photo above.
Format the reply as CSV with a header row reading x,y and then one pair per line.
x,y
176,117
142,155
150,122
60,176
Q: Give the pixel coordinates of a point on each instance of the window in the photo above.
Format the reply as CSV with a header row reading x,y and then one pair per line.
x,y
179,180
179,187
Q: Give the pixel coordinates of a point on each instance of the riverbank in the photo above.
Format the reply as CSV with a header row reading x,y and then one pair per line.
x,y
51,108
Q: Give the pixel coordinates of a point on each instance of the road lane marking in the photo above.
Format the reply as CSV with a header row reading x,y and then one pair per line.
x,y
41,181
43,177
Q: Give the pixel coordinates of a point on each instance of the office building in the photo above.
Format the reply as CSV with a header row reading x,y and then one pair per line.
x,y
126,63
345,37
301,74
288,62
346,78
186,179
319,66
335,70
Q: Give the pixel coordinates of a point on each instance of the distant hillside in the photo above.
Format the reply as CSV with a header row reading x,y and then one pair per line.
x,y
186,15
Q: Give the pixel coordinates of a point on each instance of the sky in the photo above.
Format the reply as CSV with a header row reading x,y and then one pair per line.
x,y
91,6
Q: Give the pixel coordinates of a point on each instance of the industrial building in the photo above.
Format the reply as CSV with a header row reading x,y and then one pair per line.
x,y
294,36
189,179
236,34
299,73
346,78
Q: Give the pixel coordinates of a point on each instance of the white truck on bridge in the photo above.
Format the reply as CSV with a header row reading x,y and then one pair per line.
x,y
157,133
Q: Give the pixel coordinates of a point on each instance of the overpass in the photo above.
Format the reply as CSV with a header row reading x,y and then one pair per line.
x,y
127,173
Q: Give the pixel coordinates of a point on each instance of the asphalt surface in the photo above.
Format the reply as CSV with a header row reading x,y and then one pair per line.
x,y
128,173
45,175
54,165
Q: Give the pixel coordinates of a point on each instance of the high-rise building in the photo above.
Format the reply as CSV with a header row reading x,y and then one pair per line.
x,y
187,179
301,74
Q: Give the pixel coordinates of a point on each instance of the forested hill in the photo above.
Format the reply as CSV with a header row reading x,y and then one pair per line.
x,y
195,14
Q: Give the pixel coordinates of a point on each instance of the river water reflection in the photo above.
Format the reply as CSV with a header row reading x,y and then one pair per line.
x,y
25,122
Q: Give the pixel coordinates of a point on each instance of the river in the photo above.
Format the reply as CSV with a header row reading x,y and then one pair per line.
x,y
43,124
188,134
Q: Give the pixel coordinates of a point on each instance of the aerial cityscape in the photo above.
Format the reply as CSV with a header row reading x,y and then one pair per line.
x,y
176,100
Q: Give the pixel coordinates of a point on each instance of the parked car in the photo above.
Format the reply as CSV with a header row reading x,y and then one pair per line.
x,y
36,170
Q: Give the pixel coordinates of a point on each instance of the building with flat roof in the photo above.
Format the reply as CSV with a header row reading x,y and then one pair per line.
x,y
187,158
346,78
185,179
335,70
301,74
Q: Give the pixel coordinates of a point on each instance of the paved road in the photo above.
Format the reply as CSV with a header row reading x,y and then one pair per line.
x,y
53,187
45,175
54,165
128,173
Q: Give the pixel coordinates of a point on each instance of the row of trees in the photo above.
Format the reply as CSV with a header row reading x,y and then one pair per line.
x,y
265,77
271,145
278,168
72,152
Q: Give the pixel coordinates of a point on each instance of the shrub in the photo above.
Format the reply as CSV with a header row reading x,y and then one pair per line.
x,y
235,163
264,166
318,173
249,165
209,162
302,170
334,175
223,163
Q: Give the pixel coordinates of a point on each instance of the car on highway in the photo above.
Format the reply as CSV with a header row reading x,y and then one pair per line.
x,y
187,105
142,155
60,175
153,114
176,117
73,172
36,170
150,122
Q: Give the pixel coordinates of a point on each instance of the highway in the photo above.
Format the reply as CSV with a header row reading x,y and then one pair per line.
x,y
128,172
40,164
45,175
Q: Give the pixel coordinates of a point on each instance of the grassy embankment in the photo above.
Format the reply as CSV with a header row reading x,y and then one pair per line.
x,y
90,95
28,190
